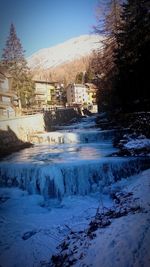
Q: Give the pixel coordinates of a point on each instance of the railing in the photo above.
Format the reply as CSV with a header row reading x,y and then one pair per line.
x,y
43,110
5,113
31,111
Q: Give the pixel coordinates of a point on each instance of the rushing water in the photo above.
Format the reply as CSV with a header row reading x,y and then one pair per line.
x,y
80,164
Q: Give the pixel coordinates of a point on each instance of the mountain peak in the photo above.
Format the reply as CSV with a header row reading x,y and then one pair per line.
x,y
74,48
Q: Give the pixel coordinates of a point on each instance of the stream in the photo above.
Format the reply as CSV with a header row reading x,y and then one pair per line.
x,y
77,163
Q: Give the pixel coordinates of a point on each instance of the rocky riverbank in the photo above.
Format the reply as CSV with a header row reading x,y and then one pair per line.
x,y
132,132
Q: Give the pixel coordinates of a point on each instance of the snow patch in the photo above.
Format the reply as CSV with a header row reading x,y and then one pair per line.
x,y
72,49
138,144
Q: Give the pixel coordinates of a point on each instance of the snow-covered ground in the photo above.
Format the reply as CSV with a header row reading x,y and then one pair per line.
x,y
138,143
134,141
30,230
126,242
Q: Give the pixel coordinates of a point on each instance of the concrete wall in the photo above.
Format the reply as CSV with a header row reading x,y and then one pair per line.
x,y
24,126
16,133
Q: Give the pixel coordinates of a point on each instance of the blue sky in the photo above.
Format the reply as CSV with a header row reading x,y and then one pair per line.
x,y
44,23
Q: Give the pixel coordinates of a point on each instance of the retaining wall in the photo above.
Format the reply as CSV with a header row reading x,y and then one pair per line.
x,y
23,126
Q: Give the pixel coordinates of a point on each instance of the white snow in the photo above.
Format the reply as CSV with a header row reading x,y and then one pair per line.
x,y
125,242
138,143
23,213
72,49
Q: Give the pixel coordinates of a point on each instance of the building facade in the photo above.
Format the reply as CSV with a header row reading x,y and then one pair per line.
x,y
48,94
81,94
44,93
7,97
76,94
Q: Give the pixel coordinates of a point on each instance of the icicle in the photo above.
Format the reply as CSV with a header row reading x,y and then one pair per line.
x,y
78,178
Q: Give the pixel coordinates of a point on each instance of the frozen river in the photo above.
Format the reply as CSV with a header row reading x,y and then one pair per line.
x,y
46,187
79,165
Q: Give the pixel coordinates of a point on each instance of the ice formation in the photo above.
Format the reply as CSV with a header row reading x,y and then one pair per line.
x,y
62,179
79,167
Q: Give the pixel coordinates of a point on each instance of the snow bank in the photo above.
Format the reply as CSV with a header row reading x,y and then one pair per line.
x,y
31,231
138,144
124,242
127,241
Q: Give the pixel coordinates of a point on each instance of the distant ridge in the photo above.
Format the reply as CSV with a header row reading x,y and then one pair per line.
x,y
66,52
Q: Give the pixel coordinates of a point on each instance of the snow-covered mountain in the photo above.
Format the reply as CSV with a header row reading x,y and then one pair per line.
x,y
68,51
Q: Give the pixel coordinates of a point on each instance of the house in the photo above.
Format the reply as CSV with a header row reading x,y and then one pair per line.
x,y
92,92
7,96
92,97
45,93
81,94
77,94
48,93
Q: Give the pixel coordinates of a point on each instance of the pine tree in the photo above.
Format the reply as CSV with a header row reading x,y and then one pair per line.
x,y
133,55
13,59
104,62
79,78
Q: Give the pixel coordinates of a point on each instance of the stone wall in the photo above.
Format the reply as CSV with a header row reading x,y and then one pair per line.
x,y
23,126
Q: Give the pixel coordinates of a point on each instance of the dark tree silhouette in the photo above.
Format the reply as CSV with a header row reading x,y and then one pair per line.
x,y
133,56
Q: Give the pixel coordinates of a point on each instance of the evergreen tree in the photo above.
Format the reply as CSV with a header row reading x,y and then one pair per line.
x,y
79,78
13,59
88,76
133,55
104,61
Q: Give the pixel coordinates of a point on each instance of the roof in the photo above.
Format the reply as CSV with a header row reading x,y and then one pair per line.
x,y
76,85
47,82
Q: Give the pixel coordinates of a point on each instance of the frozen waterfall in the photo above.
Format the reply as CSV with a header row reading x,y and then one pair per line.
x,y
70,168
61,179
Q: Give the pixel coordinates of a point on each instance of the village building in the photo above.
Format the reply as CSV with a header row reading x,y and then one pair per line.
x,y
81,94
8,99
45,93
48,94
92,93
77,94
